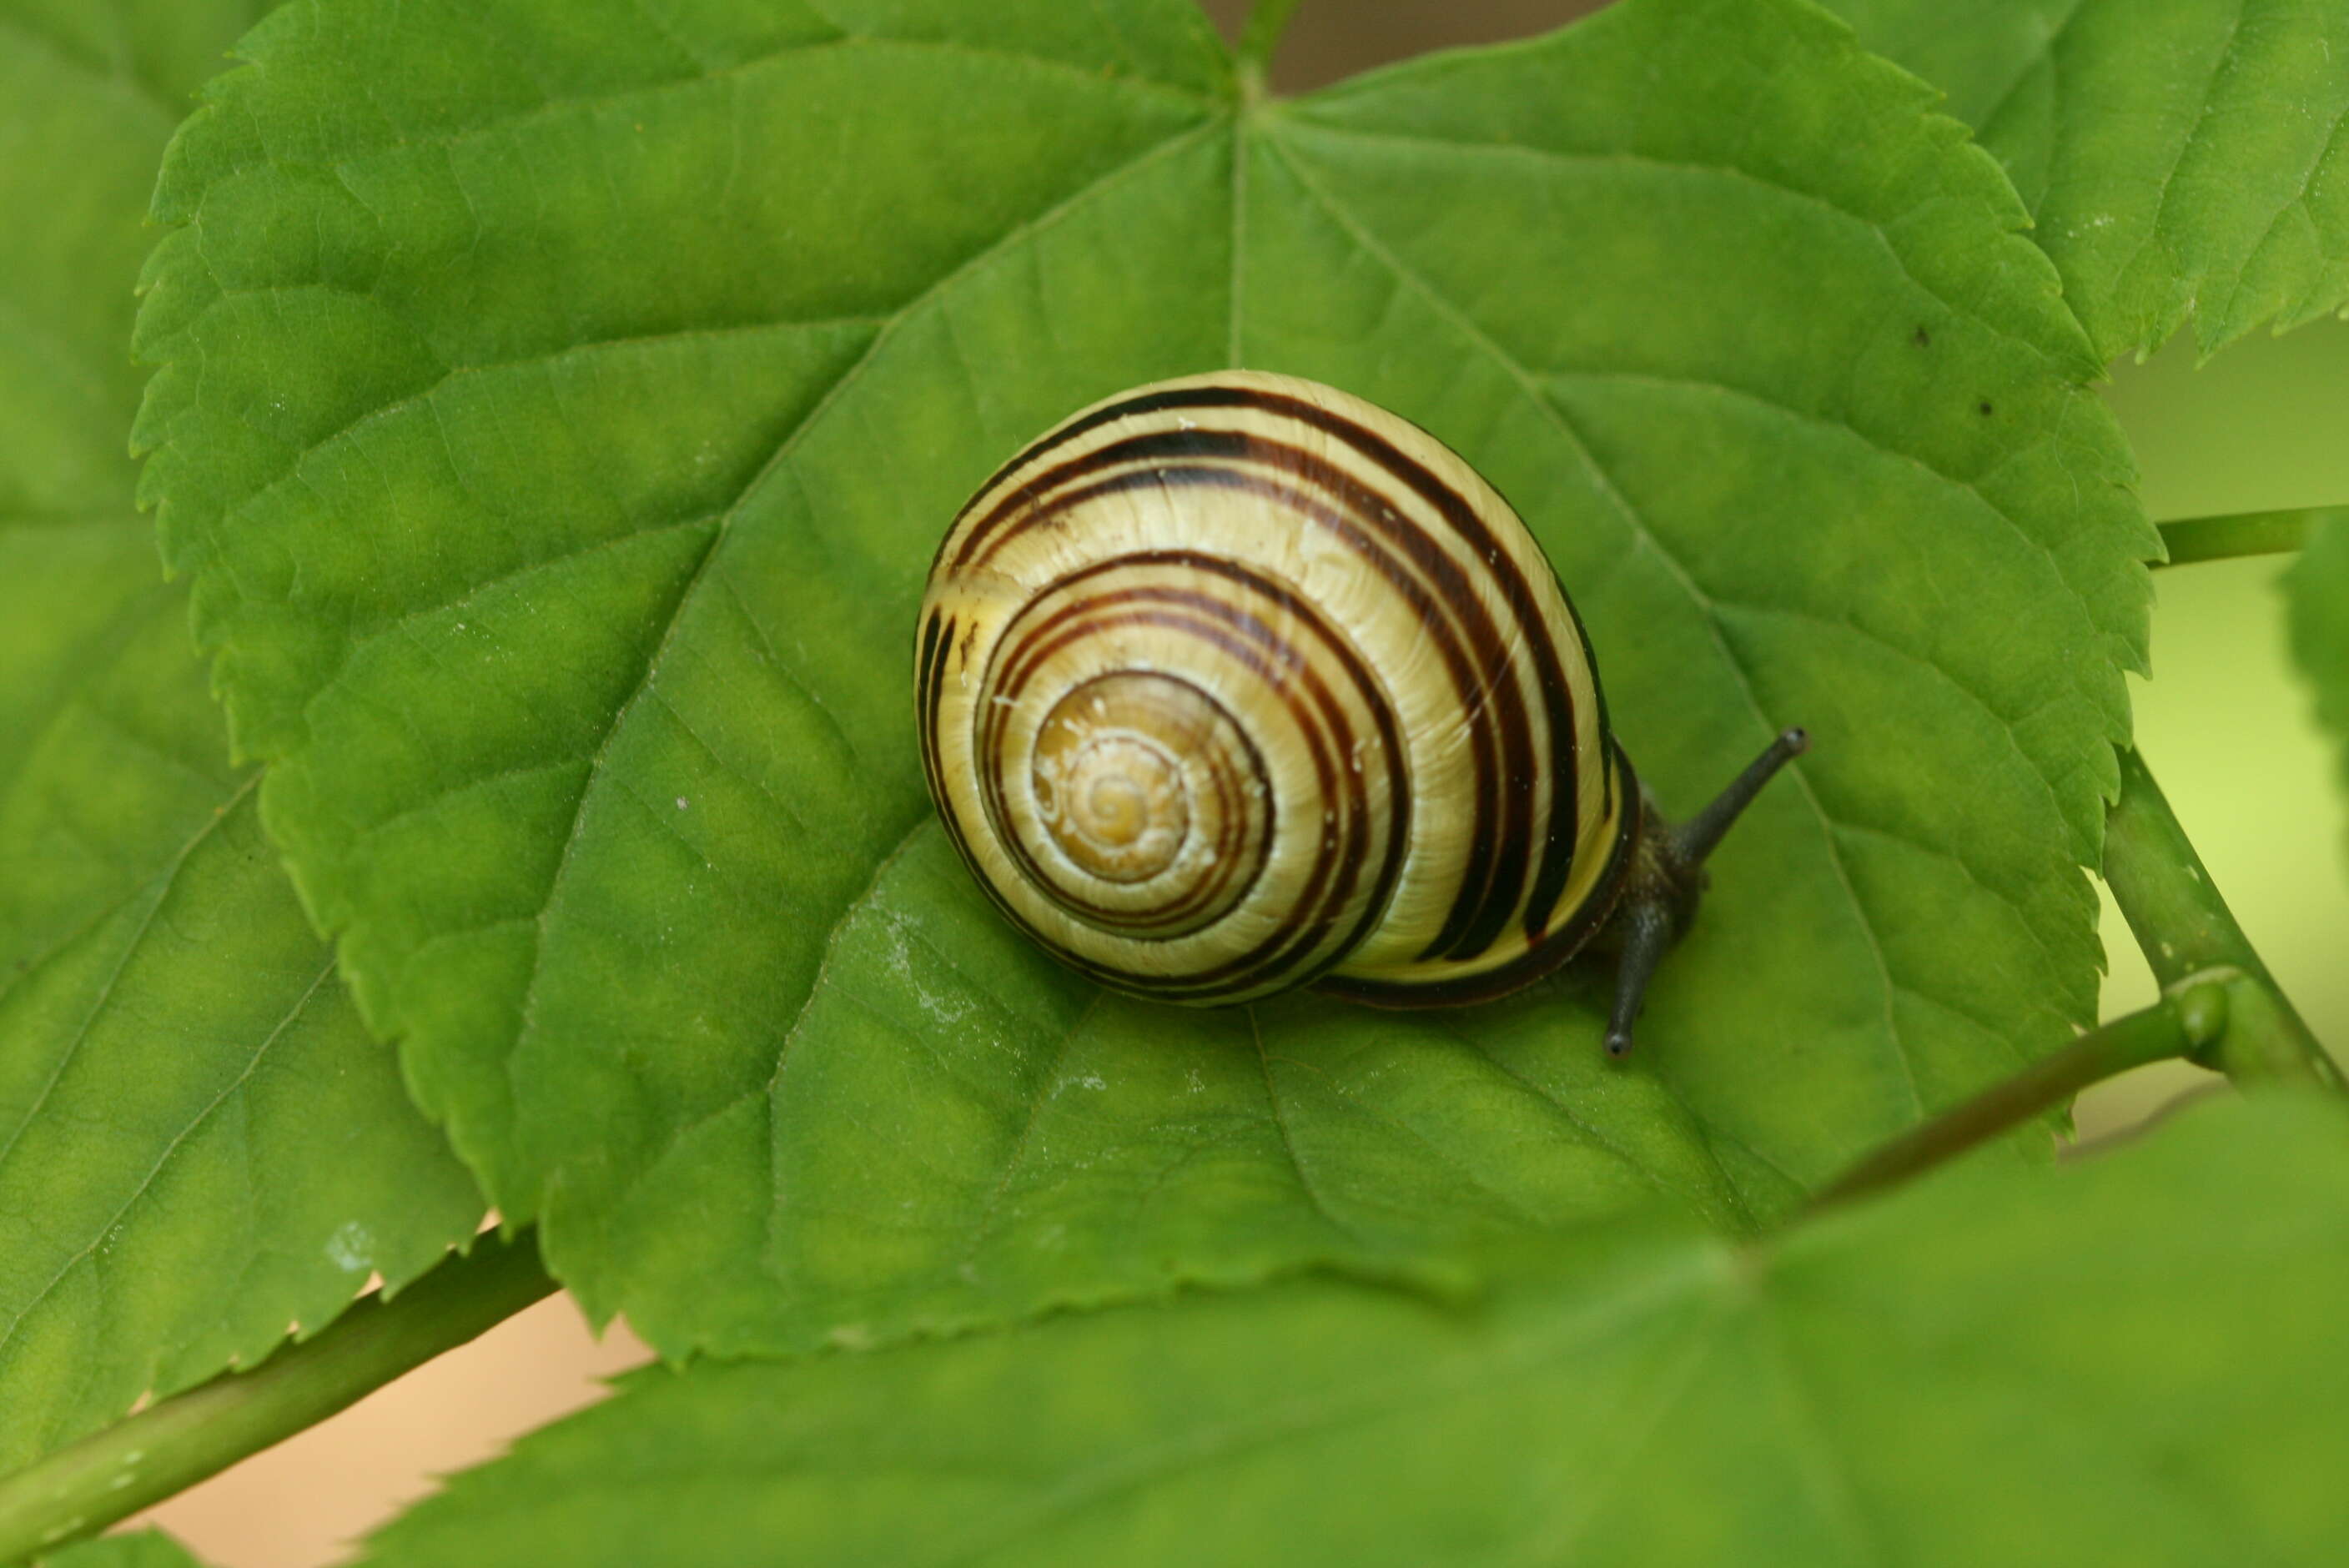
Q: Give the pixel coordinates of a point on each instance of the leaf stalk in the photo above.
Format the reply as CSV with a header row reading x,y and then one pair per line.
x,y
1259,37
2186,1020
2239,533
2185,928
176,1442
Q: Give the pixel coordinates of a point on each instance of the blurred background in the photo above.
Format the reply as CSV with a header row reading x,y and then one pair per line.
x,y
2225,725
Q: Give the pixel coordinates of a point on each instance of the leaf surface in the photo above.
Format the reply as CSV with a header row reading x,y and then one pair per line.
x,y
2185,159
199,1143
136,1549
559,451
2136,1360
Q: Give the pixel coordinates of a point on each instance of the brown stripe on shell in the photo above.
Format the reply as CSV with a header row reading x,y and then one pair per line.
x,y
1135,408
1375,700
1281,952
1549,679
1269,960
1546,953
1510,861
1375,703
1496,738
1126,922
936,636
1474,933
1489,891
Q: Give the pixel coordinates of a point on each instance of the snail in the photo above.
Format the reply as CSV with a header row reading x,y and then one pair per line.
x,y
1238,683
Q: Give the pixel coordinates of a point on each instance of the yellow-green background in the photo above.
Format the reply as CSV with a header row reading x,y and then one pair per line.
x,y
2225,724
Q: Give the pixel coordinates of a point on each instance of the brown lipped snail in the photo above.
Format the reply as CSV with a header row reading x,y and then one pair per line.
x,y
1238,683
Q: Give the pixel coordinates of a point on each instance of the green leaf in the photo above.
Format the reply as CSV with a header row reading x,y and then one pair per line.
x,y
559,475
137,1549
2137,1361
2318,589
199,1144
2185,159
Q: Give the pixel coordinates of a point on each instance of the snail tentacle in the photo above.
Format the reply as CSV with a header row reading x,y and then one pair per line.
x,y
1660,902
1694,840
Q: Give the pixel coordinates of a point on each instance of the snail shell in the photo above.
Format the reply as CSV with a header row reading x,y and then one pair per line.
x,y
1238,683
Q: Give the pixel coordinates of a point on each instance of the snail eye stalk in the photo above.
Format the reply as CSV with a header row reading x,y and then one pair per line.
x,y
1669,878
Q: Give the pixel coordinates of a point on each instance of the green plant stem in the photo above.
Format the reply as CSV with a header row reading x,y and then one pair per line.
x,y
2179,1024
2244,533
1258,37
176,1442
2185,928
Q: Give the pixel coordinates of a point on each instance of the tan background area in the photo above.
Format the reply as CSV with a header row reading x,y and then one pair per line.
x,y
2226,727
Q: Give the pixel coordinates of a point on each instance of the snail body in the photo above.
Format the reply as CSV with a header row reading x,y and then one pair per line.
x,y
1238,683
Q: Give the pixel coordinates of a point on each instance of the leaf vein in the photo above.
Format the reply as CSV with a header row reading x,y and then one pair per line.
x,y
1646,537
161,888
815,415
1875,228
553,108
991,1213
2156,232
1289,1143
170,1150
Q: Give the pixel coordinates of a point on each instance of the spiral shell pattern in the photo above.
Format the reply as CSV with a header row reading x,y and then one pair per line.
x,y
1238,682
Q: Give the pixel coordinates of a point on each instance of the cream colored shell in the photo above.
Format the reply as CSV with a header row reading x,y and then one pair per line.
x,y
1238,682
